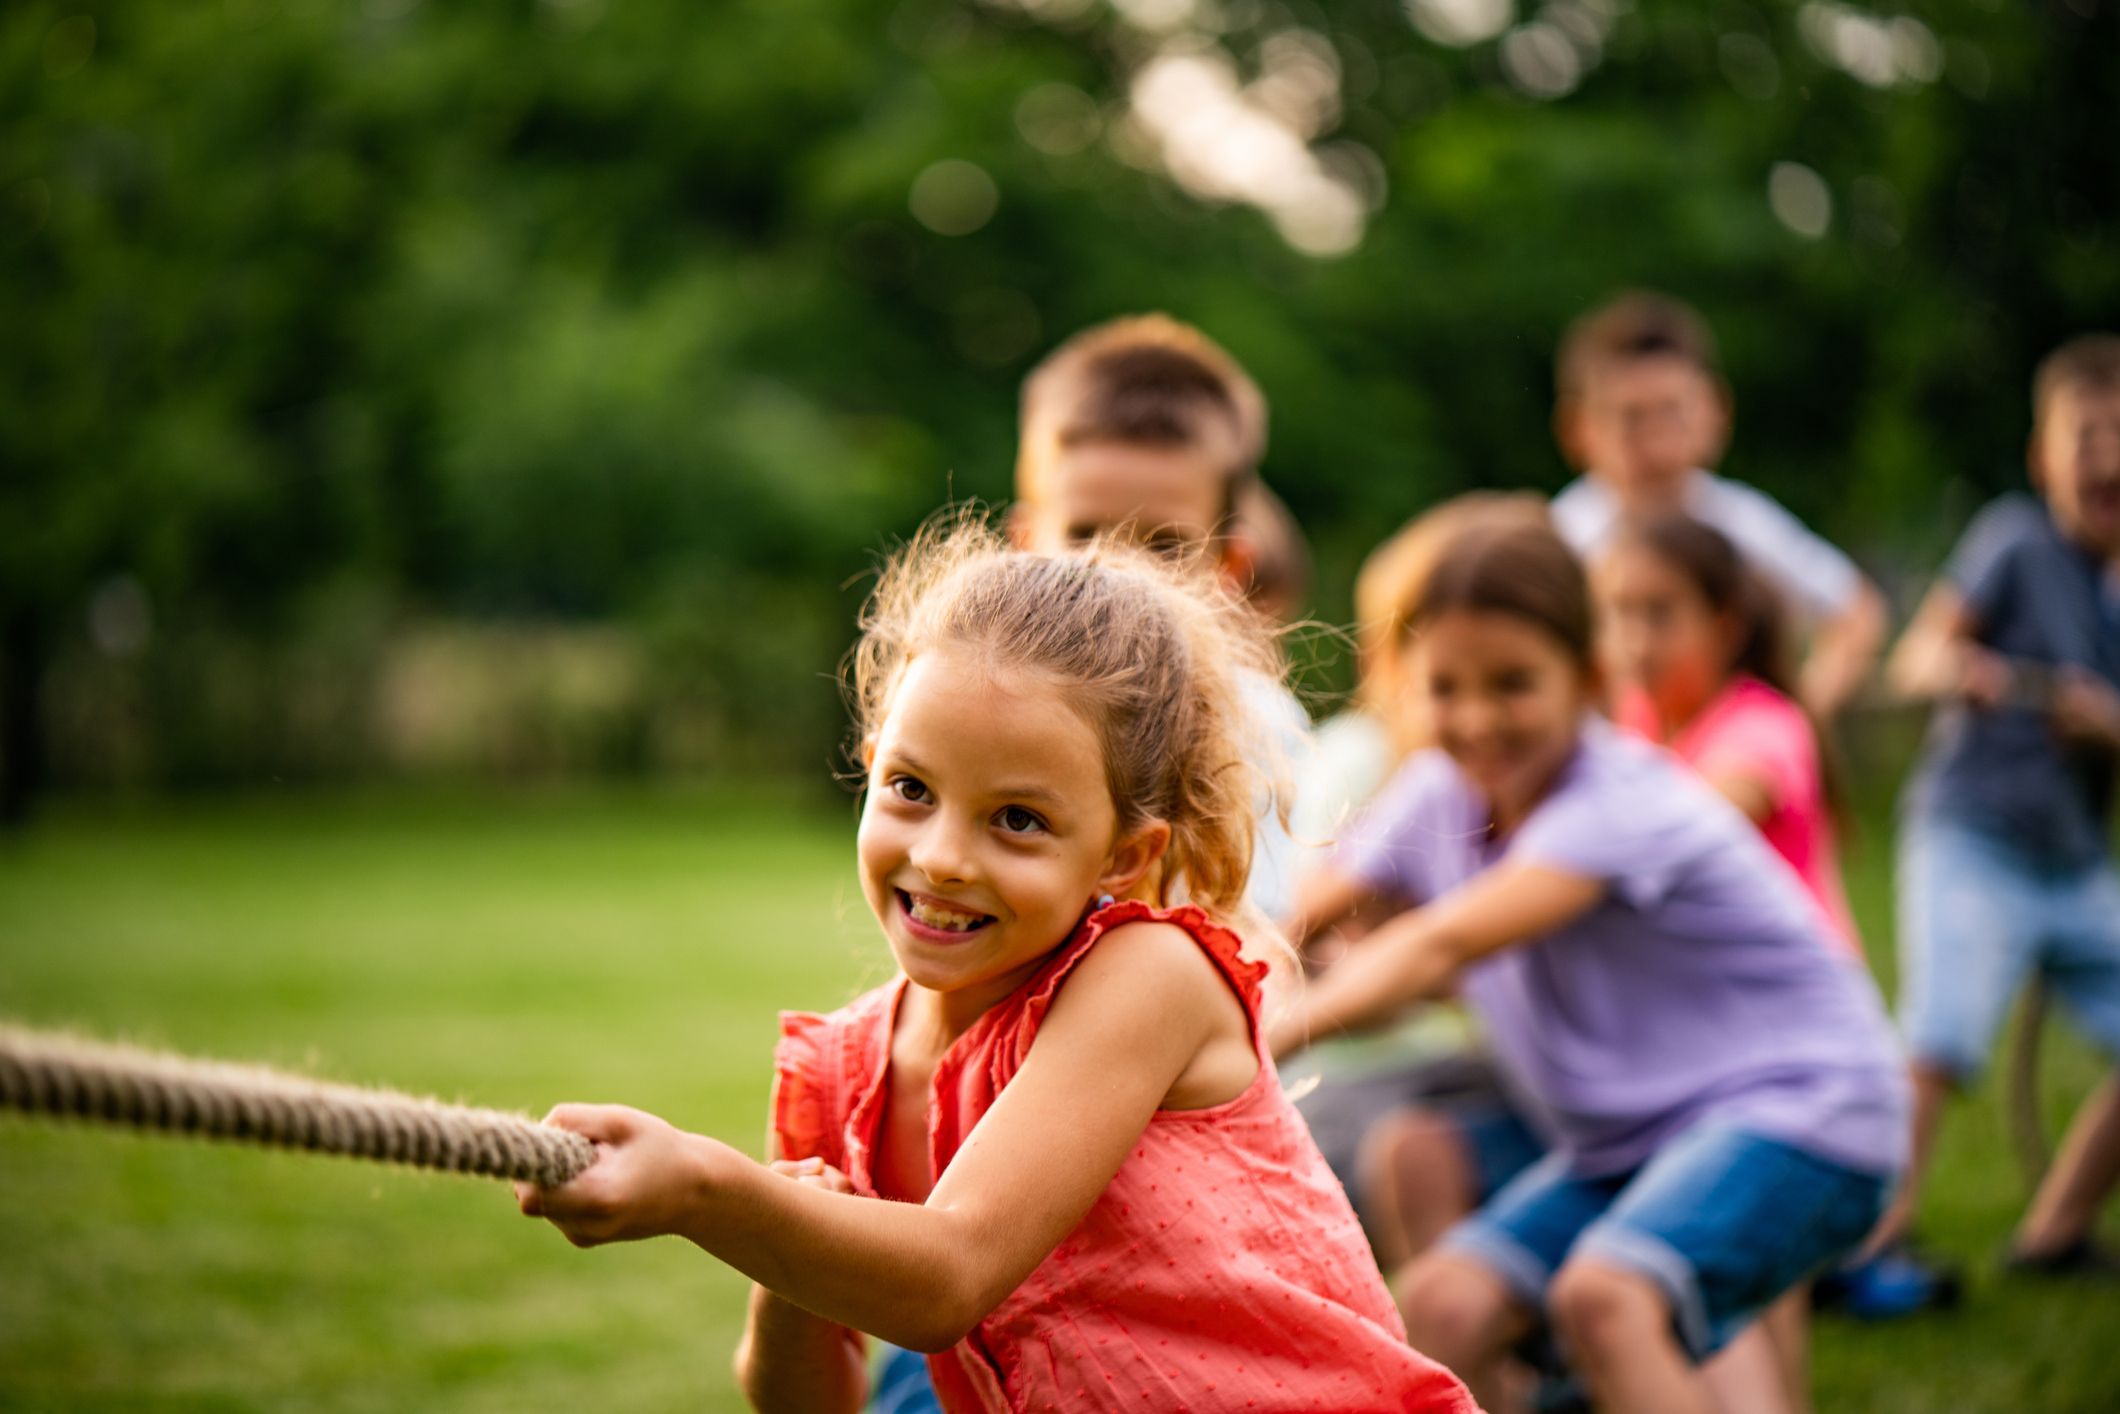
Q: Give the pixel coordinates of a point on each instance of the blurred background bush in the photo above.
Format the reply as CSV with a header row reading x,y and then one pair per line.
x,y
518,387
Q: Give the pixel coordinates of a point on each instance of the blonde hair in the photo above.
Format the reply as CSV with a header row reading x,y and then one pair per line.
x,y
1390,586
1147,650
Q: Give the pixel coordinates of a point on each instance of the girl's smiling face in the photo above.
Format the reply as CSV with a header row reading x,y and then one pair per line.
x,y
1505,698
988,827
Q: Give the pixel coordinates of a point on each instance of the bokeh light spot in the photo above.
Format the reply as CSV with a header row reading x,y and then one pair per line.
x,y
1460,22
1156,16
1058,119
1539,60
1800,199
119,620
953,197
1873,50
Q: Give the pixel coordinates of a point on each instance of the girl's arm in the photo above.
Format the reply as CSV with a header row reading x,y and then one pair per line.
x,y
1324,897
1750,793
1136,1013
789,1359
1417,954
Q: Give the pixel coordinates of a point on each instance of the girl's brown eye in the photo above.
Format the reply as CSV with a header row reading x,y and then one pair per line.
x,y
1019,821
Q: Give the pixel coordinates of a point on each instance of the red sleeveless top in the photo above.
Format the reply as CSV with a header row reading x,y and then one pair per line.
x,y
1222,1269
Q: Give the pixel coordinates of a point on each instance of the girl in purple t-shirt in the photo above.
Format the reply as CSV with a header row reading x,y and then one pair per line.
x,y
1726,1096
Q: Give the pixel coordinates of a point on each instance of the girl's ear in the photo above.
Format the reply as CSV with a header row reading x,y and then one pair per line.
x,y
1134,857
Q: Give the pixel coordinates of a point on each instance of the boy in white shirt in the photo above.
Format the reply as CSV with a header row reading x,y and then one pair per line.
x,y
1644,412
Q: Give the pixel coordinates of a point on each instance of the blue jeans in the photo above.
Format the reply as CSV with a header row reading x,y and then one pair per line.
x,y
903,1385
1498,1142
1977,916
1723,1221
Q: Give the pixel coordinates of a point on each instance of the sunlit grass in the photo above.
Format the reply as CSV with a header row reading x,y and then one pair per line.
x,y
523,950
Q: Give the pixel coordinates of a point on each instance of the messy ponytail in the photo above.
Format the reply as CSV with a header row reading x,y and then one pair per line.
x,y
1148,651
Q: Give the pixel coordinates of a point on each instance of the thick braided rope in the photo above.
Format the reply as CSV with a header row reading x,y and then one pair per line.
x,y
70,1078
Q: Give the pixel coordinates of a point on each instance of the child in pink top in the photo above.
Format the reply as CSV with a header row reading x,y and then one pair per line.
x,y
1053,1153
1190,1278
1694,648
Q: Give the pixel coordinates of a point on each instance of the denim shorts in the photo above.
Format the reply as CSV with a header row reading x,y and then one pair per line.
x,y
1977,916
1499,1144
1722,1220
903,1385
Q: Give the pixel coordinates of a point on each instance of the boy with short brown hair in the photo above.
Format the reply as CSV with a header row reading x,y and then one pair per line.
x,y
1643,411
1143,421
2005,848
1147,421
1145,424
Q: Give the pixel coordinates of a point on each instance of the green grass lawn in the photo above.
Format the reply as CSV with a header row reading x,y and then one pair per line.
x,y
522,950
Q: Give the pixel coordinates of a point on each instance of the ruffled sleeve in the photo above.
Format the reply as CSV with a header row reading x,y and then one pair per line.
x,y
1222,946
806,1111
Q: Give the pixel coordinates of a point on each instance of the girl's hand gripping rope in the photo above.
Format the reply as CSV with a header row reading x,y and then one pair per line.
x,y
647,1172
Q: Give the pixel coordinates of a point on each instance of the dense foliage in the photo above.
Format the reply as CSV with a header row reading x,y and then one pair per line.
x,y
324,317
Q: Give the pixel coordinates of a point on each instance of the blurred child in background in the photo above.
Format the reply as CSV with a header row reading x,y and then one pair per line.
x,y
1727,1099
1145,426
1355,752
1142,422
1370,1089
1696,651
1644,413
2005,857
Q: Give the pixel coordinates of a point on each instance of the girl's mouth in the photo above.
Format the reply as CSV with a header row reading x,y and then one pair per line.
x,y
938,921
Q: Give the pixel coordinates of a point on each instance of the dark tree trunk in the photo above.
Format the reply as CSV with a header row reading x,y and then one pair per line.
x,y
22,759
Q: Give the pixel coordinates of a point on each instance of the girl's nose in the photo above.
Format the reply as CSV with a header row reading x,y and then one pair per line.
x,y
941,852
1476,721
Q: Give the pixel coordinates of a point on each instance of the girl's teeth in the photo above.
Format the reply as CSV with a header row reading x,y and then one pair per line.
x,y
934,917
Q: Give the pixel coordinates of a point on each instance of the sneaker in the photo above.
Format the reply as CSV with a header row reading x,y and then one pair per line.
x,y
2081,1258
1894,1283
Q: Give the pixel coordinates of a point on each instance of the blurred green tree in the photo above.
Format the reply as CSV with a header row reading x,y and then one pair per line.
x,y
641,309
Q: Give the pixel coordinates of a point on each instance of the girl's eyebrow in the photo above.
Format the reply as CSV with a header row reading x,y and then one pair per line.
x,y
902,761
1044,795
